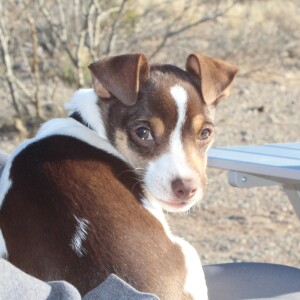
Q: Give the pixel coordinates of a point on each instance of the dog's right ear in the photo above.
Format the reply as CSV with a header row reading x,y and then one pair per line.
x,y
120,76
214,76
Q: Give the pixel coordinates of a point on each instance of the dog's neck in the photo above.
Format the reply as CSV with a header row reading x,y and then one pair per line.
x,y
84,108
77,116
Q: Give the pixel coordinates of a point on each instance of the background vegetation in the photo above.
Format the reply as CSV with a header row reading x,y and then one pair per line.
x,y
47,44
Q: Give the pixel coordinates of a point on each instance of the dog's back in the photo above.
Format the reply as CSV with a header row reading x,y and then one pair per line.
x,y
85,221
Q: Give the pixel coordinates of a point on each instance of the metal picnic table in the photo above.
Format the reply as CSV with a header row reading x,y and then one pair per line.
x,y
266,165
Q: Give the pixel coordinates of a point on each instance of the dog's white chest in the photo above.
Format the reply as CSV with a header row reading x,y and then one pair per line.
x,y
195,284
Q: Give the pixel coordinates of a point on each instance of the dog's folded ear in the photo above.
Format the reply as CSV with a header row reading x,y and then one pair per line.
x,y
213,75
120,76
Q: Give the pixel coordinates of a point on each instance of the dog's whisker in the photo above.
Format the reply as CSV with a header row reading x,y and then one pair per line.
x,y
125,171
138,181
140,171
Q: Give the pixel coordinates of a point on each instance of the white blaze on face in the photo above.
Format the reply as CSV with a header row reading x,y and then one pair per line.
x,y
176,146
173,164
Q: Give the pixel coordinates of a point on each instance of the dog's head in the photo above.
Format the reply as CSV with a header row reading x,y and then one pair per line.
x,y
161,119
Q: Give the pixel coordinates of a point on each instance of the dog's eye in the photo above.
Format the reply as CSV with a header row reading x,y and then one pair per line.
x,y
205,133
144,133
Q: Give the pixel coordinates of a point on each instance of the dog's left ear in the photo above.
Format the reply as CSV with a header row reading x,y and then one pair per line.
x,y
213,75
120,76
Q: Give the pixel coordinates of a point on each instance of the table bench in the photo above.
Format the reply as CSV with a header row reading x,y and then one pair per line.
x,y
255,166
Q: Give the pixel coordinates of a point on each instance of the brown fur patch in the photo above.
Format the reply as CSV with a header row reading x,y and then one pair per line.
x,y
133,158
69,178
158,127
197,123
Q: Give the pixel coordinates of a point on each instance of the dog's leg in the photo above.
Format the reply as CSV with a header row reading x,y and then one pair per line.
x,y
195,284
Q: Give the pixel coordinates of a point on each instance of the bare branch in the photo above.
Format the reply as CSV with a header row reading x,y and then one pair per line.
x,y
171,33
213,17
81,44
102,16
79,57
76,15
94,25
113,28
90,26
64,34
35,63
8,64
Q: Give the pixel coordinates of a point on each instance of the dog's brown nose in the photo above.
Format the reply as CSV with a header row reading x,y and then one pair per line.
x,y
184,188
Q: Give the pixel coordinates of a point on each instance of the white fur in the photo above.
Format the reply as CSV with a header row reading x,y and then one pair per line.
x,y
84,101
79,236
157,212
72,128
194,284
5,180
176,152
3,250
173,164
61,127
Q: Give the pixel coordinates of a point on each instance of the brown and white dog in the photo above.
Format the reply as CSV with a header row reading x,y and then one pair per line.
x,y
84,198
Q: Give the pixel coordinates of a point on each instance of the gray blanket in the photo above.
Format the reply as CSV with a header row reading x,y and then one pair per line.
x,y
16,285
